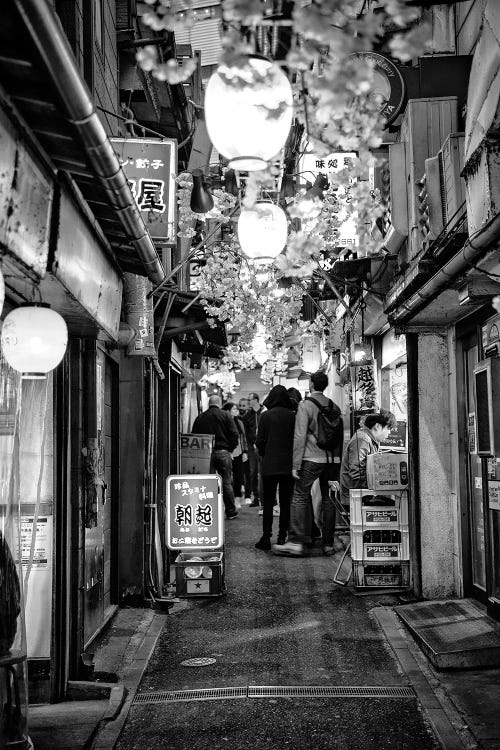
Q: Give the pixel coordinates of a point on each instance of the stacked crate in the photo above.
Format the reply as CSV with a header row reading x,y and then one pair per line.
x,y
379,524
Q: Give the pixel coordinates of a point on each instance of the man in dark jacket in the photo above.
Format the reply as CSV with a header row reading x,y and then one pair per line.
x,y
310,462
275,443
215,421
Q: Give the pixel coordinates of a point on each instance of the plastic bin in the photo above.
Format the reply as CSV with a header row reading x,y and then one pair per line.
x,y
380,575
201,576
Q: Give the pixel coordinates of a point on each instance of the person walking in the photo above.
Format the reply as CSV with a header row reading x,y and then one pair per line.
x,y
311,462
275,445
364,442
251,421
215,421
240,453
243,407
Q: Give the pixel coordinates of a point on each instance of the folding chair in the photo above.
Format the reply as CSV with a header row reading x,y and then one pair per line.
x,y
343,512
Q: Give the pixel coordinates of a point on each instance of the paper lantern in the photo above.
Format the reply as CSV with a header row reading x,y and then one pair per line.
x,y
248,112
34,339
311,353
262,231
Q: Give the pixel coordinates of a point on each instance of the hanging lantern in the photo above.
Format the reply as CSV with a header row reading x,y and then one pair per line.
x,y
2,291
248,112
34,339
311,353
262,231
259,350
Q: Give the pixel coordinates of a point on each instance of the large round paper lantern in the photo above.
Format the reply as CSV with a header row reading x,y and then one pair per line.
x,y
262,231
34,339
311,353
248,112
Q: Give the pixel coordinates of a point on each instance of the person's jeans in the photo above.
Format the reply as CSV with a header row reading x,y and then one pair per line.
x,y
222,463
255,477
237,475
301,510
283,482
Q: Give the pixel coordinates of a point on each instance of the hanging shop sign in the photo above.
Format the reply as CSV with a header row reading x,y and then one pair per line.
x,y
139,315
194,512
396,440
150,165
494,495
388,87
364,387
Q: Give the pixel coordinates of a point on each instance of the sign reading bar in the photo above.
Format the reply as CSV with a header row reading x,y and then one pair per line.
x,y
150,165
194,512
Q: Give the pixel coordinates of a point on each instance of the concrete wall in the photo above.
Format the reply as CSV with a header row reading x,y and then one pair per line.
x,y
467,25
437,501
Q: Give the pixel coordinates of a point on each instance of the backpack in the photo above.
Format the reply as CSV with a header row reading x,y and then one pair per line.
x,y
330,425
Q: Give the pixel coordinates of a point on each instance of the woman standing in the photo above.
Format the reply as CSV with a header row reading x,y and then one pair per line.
x,y
275,445
240,453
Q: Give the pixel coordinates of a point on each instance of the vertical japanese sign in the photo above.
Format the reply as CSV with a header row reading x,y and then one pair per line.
x,y
194,512
150,165
364,387
139,314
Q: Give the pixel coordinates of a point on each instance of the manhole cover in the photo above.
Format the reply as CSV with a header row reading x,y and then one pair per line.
x,y
202,661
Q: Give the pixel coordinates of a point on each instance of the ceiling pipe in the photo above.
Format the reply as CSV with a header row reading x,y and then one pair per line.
x,y
462,261
55,51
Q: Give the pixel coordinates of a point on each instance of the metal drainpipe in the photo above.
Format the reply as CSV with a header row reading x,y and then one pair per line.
x,y
470,252
52,45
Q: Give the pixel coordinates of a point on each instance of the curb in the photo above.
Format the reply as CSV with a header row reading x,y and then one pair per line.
x,y
436,710
113,721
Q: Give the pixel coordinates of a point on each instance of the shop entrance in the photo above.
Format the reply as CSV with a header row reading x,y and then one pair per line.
x,y
480,476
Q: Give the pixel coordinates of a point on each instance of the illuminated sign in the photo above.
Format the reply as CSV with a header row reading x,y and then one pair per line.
x,y
194,512
150,165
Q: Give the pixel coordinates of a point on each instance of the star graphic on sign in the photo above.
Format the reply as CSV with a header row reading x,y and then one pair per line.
x,y
197,585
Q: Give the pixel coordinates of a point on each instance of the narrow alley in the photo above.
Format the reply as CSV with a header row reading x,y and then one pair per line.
x,y
283,623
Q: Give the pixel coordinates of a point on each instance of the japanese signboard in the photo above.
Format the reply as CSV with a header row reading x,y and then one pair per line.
x,y
139,315
494,495
194,512
150,165
364,387
397,437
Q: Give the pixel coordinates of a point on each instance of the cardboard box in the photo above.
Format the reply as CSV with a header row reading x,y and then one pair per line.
x,y
387,471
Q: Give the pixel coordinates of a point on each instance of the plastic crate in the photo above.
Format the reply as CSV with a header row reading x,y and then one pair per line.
x,y
364,501
380,575
207,581
379,544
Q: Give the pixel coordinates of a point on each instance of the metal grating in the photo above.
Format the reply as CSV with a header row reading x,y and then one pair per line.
x,y
277,691
175,696
331,691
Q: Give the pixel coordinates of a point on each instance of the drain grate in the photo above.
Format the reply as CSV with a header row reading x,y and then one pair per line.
x,y
277,691
331,691
207,694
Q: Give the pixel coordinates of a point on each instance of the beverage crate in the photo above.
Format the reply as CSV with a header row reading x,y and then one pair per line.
x,y
366,504
381,575
381,544
199,574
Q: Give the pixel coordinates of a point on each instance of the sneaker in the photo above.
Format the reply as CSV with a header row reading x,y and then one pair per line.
x,y
290,549
248,501
237,502
328,551
276,510
253,503
230,516
263,543
281,538
261,511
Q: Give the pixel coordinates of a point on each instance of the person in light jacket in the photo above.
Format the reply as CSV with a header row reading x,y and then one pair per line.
x,y
363,443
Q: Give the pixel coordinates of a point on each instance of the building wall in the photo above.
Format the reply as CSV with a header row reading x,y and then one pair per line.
x,y
467,25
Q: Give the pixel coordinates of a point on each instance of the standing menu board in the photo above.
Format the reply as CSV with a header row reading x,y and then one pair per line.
x,y
195,516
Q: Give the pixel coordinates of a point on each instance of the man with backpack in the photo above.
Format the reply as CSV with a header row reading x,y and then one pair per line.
x,y
317,452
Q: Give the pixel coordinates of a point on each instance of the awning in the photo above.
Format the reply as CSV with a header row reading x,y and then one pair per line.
x,y
186,322
40,76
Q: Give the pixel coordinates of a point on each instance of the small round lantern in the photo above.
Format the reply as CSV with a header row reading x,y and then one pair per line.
x,y
248,112
262,231
34,340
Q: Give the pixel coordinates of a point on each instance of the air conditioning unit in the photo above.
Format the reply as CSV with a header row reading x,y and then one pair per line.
x,y
441,190
451,160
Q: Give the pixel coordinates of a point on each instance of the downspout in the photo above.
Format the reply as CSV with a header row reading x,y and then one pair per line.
x,y
54,49
464,259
